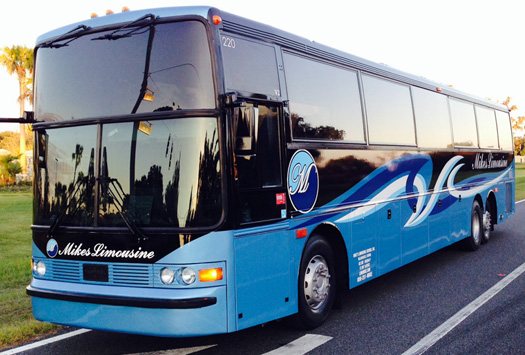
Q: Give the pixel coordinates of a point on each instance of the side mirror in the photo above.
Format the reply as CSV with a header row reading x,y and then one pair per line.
x,y
246,122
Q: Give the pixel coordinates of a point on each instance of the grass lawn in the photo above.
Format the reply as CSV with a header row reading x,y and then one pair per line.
x,y
16,320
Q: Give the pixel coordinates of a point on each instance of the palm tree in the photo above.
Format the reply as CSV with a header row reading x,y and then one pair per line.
x,y
18,60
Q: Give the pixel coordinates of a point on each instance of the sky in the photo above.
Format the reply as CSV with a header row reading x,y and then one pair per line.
x,y
473,45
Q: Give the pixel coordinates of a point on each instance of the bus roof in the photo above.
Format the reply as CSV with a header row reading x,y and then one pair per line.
x,y
240,25
127,16
236,24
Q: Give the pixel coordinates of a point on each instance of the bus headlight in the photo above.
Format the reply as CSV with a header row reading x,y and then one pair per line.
x,y
188,275
167,276
39,268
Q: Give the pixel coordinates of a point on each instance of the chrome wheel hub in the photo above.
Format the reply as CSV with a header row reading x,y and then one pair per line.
x,y
316,282
476,228
487,224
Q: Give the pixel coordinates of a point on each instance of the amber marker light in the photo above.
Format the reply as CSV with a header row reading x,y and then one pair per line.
x,y
109,12
208,275
217,19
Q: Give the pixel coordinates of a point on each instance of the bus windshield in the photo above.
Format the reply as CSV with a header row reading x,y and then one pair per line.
x,y
162,173
103,74
156,172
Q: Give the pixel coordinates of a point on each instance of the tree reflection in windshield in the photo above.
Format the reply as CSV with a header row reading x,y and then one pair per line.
x,y
66,178
174,180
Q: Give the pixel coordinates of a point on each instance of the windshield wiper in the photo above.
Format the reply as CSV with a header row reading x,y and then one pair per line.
x,y
112,188
51,44
84,182
115,34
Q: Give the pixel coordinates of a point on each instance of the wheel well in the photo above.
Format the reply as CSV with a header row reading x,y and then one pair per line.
x,y
480,201
491,200
334,237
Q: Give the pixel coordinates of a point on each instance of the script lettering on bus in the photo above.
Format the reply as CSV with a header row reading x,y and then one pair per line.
x,y
487,161
100,250
300,177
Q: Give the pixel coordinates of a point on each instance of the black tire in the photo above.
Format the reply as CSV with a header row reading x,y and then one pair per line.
x,y
488,226
317,284
473,242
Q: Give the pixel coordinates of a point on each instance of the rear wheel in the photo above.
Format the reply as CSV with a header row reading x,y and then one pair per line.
x,y
488,226
317,284
473,242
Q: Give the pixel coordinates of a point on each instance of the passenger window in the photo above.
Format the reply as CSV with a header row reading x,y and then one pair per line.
x,y
504,131
487,131
463,124
389,112
432,119
325,103
250,67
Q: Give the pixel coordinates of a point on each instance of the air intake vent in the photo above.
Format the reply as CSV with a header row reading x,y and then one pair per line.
x,y
508,197
131,275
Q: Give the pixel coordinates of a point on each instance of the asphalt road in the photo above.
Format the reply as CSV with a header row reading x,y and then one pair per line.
x,y
387,315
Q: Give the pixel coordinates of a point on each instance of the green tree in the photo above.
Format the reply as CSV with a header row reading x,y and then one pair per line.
x,y
18,60
9,167
517,127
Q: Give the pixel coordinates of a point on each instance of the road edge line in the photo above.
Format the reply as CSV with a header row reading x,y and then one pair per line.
x,y
301,345
424,344
44,342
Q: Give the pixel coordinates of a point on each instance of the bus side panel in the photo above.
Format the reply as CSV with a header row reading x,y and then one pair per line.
x,y
506,196
262,276
363,256
414,239
439,226
460,222
389,237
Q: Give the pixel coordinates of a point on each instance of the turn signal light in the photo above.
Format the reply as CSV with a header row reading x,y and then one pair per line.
x,y
208,275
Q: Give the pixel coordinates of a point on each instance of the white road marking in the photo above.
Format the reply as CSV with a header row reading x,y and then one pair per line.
x,y
45,342
438,333
302,345
181,351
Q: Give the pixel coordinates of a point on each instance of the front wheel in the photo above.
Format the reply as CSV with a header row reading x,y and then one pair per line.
x,y
473,242
317,284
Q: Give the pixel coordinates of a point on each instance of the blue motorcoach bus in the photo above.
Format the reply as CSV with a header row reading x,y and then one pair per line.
x,y
200,173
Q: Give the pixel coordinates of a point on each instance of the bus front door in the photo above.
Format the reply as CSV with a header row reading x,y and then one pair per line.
x,y
262,236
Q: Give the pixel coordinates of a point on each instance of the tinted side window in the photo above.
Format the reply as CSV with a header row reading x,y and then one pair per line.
x,y
463,124
250,67
504,131
432,119
262,169
389,112
324,100
488,133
